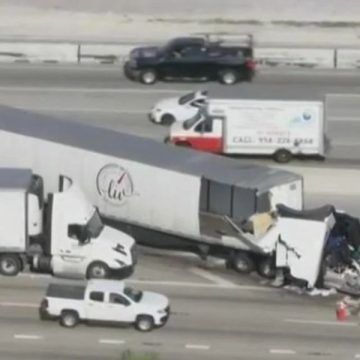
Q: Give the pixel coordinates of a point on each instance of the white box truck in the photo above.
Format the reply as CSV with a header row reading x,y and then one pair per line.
x,y
64,236
255,127
163,196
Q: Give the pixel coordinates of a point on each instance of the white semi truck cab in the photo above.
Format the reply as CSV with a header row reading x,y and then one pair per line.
x,y
64,237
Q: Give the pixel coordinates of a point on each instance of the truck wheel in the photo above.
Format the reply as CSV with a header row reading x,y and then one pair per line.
x,y
167,119
228,77
144,323
266,268
69,318
282,156
10,265
148,77
242,263
97,270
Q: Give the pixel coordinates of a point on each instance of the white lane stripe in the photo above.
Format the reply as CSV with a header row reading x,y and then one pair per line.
x,y
111,341
84,110
197,346
320,322
282,351
343,118
145,91
213,278
230,286
18,304
357,356
27,337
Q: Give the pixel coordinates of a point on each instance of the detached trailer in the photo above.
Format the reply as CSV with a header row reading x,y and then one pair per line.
x,y
163,196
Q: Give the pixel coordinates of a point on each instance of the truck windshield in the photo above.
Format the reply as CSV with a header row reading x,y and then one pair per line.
x,y
187,124
133,294
94,225
186,98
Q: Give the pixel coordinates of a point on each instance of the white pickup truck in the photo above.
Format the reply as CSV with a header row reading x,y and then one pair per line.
x,y
105,301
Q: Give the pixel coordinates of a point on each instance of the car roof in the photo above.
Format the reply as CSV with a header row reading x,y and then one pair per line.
x,y
105,285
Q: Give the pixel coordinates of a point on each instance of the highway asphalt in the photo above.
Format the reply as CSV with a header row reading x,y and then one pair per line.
x,y
213,315
102,96
216,313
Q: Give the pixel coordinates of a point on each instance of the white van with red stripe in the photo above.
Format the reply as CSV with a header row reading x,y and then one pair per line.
x,y
255,127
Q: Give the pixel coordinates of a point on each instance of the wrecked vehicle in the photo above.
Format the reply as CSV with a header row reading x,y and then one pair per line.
x,y
316,248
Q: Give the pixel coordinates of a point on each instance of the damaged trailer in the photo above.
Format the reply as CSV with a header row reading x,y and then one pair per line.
x,y
163,196
315,248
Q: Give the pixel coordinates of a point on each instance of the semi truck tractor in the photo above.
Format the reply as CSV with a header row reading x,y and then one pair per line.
x,y
63,236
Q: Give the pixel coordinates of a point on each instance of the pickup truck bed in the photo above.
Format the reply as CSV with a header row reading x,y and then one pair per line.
x,y
66,291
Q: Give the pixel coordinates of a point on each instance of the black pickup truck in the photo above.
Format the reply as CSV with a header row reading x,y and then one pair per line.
x,y
193,58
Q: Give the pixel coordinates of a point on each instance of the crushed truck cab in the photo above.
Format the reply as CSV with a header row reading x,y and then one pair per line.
x,y
104,301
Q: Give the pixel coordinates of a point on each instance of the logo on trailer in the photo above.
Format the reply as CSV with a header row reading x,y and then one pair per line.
x,y
307,116
114,184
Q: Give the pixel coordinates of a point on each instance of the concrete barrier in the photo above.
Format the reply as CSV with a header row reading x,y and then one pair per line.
x,y
104,54
292,57
348,58
38,52
116,53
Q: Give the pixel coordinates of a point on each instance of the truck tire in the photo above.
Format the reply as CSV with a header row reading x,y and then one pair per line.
x,y
282,156
242,263
69,318
228,77
266,268
10,264
167,119
148,77
144,323
97,270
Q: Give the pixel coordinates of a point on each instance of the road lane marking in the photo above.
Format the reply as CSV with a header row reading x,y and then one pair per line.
x,y
282,351
320,322
343,118
145,91
83,110
111,342
213,278
18,304
357,356
230,286
27,337
197,347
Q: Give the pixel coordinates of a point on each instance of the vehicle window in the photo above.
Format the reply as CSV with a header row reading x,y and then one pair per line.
x,y
214,52
204,126
187,124
199,103
118,299
133,294
191,51
97,296
186,98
